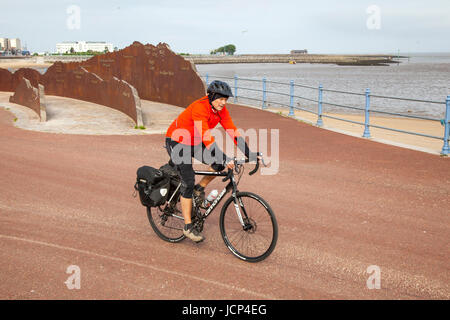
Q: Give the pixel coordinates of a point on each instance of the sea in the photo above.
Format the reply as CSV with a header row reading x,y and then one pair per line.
x,y
420,76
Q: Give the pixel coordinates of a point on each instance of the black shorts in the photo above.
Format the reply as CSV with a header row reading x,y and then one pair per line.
x,y
181,155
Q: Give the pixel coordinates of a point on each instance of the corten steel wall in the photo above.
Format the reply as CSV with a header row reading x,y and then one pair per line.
x,y
9,81
157,73
27,95
73,81
6,82
32,75
119,79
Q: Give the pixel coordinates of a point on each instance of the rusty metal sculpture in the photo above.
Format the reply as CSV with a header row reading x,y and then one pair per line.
x,y
6,83
32,75
157,73
31,97
118,79
78,83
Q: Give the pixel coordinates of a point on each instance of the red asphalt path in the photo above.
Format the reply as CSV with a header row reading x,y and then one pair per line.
x,y
342,204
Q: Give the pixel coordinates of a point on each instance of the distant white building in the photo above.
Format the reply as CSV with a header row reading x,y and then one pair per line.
x,y
83,46
7,44
3,44
15,44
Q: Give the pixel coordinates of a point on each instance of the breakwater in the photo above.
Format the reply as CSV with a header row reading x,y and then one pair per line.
x,y
359,60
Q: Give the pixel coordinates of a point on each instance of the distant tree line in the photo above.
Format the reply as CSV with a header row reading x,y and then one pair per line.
x,y
86,53
228,49
72,52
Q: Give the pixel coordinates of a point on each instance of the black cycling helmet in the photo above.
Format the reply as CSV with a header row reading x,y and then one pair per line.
x,y
220,87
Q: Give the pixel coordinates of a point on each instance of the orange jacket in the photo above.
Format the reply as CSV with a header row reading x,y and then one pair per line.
x,y
198,118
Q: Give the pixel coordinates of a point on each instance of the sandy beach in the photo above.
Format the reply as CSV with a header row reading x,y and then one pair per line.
x,y
32,62
410,141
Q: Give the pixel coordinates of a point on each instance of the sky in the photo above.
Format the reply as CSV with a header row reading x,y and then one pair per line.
x,y
263,26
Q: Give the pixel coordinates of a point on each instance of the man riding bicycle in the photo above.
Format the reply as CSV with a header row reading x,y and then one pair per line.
x,y
189,136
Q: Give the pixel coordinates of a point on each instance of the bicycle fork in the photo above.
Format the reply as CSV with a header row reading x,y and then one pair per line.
x,y
242,215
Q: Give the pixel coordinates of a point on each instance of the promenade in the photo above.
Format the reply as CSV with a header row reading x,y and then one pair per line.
x,y
342,203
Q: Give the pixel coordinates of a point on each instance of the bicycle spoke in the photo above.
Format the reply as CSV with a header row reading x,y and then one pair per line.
x,y
168,227
237,234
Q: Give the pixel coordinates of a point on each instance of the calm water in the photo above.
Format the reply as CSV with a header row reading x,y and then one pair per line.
x,y
423,76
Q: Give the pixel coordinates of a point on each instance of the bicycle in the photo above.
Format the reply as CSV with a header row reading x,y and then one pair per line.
x,y
252,219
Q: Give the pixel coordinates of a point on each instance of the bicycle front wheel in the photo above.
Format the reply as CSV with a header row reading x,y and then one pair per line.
x,y
252,238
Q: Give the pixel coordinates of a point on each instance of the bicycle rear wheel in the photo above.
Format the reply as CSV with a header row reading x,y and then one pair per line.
x,y
168,224
256,239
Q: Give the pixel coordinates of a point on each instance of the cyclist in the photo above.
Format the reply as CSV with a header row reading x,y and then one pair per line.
x,y
189,136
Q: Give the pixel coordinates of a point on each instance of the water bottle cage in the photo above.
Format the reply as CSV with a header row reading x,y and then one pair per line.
x,y
210,198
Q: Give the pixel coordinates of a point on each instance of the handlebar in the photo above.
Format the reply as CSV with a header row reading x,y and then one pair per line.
x,y
256,168
239,162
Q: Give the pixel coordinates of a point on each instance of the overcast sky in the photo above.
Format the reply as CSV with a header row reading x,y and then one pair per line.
x,y
254,26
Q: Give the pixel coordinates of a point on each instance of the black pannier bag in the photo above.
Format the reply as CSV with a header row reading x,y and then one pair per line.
x,y
175,179
153,186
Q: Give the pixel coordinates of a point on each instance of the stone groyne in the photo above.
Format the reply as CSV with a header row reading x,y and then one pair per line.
x,y
367,60
357,60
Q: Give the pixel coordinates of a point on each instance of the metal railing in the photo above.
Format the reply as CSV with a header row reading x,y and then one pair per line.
x,y
233,82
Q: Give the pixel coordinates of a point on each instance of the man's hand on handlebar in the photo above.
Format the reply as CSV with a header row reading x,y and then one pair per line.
x,y
230,165
254,156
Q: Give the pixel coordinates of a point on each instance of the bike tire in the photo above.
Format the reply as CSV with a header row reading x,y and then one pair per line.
x,y
166,226
261,218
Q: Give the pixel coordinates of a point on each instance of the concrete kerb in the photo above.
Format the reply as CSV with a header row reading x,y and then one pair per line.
x,y
349,133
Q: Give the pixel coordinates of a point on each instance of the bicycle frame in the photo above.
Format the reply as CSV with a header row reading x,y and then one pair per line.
x,y
230,186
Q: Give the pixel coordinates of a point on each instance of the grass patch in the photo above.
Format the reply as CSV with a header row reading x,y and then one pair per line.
x,y
15,119
140,127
